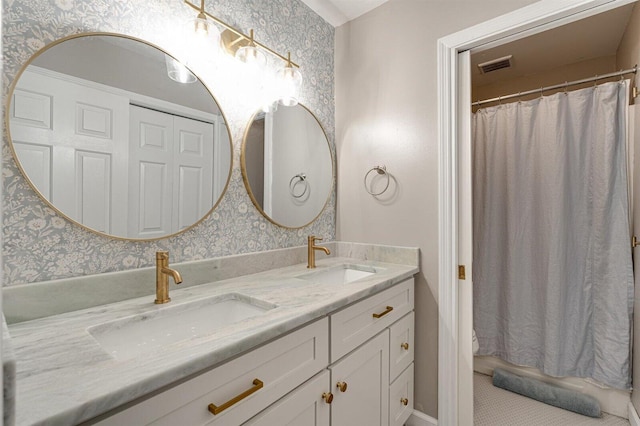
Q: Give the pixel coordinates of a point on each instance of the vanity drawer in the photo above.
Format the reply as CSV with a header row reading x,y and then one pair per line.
x,y
401,346
302,407
356,324
401,392
280,366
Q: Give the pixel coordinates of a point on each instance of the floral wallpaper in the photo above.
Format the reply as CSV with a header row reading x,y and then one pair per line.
x,y
40,245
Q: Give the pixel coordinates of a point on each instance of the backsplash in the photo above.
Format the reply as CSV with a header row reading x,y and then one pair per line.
x,y
39,245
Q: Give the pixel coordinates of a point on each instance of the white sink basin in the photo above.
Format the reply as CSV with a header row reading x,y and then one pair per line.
x,y
340,274
148,332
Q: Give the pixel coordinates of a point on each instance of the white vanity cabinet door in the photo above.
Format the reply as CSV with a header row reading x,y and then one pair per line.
x,y
401,398
366,373
401,346
302,407
359,322
281,365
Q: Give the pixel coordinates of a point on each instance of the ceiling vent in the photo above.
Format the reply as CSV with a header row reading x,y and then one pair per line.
x,y
496,64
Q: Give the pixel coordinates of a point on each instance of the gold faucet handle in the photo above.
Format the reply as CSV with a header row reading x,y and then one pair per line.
x,y
312,239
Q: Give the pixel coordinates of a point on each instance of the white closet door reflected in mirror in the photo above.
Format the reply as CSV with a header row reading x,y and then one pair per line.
x,y
108,139
171,172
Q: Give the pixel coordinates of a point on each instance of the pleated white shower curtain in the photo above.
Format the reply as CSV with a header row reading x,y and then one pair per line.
x,y
552,271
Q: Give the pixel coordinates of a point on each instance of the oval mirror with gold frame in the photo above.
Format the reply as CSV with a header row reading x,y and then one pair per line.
x,y
119,137
287,166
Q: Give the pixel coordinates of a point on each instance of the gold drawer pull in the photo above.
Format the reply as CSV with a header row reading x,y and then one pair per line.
x,y
385,312
405,346
404,401
342,386
257,385
328,397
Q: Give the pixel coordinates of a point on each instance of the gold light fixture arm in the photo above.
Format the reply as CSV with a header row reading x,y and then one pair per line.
x,y
201,13
239,33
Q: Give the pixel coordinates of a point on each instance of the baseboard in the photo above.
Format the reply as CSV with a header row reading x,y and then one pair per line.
x,y
634,420
418,418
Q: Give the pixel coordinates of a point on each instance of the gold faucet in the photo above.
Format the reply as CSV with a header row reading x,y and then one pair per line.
x,y
311,250
162,277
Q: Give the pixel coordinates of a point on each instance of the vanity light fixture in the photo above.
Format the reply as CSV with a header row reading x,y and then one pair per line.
x,y
251,55
249,51
178,72
290,82
205,29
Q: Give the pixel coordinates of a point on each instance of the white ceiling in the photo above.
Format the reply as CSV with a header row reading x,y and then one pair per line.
x,y
589,38
337,12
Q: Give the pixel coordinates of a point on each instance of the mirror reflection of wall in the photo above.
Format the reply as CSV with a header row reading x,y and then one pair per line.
x,y
254,159
108,139
293,183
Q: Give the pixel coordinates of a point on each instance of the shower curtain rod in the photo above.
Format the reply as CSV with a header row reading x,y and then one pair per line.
x,y
557,86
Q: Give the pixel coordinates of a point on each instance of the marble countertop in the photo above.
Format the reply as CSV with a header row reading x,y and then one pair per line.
x,y
65,377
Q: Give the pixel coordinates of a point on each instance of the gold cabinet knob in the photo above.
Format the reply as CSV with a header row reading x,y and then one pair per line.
x,y
342,386
405,346
328,397
404,401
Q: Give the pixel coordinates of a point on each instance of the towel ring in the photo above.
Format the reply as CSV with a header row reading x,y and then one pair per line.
x,y
381,170
292,185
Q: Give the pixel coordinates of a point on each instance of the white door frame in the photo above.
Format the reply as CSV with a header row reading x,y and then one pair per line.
x,y
535,18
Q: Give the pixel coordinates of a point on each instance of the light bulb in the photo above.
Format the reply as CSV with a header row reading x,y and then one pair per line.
x,y
252,56
178,72
290,83
201,26
207,33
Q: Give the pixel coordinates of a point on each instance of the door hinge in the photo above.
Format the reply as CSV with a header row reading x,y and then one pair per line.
x,y
461,273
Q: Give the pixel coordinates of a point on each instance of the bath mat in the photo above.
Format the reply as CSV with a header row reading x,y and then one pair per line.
x,y
549,394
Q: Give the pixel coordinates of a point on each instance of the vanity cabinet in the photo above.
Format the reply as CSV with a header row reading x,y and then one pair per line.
x,y
401,397
354,367
303,407
355,324
401,344
379,373
238,389
364,376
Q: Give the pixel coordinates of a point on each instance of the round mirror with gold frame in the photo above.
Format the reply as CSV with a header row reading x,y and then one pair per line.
x,y
118,136
287,166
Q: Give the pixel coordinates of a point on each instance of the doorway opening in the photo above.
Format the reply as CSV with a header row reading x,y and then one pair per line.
x,y
455,300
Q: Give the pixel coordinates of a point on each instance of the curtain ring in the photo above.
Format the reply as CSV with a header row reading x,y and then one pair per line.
x,y
566,85
292,185
381,170
541,92
595,82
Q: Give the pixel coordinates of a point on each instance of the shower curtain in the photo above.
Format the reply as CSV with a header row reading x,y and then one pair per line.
x,y
552,272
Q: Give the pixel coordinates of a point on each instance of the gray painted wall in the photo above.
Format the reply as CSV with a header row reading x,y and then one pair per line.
x,y
386,113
